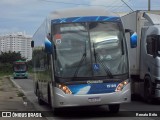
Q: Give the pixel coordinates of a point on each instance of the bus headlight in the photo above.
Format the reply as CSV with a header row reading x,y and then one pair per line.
x,y
121,85
64,88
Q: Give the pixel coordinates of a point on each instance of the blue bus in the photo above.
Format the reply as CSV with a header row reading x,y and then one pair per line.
x,y
80,59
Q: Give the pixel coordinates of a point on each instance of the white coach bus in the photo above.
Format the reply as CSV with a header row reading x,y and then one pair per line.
x,y
80,59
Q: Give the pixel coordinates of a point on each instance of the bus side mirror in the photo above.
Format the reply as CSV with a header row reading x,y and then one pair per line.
x,y
32,44
48,46
133,38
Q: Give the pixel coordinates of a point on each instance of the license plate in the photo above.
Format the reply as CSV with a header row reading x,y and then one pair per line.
x,y
95,99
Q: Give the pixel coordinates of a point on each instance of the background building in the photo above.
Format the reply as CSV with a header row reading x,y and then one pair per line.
x,y
19,42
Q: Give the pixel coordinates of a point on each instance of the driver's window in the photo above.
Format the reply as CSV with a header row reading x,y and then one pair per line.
x,y
151,39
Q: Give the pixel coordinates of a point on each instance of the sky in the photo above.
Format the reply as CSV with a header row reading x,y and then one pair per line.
x,y
27,15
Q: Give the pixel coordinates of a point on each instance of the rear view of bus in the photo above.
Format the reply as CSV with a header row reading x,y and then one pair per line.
x,y
86,55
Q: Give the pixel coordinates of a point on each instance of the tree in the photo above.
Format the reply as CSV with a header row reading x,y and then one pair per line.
x,y
10,57
7,59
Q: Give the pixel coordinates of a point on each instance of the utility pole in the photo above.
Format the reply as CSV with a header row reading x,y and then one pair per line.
x,y
149,5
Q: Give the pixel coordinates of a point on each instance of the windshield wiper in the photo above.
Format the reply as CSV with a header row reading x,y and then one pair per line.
x,y
81,61
106,69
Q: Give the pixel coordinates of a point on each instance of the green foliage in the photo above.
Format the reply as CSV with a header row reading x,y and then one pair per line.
x,y
29,66
38,56
6,62
10,57
6,68
20,94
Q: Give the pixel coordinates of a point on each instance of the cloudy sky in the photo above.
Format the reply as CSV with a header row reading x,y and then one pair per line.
x,y
27,15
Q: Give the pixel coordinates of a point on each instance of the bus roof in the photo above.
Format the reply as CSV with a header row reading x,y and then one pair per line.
x,y
80,11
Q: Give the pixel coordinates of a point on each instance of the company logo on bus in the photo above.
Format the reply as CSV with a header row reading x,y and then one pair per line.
x,y
95,81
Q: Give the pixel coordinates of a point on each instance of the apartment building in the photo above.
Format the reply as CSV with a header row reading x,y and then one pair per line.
x,y
18,42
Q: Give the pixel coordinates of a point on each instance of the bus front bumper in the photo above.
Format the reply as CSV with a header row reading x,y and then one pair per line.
x,y
68,100
20,75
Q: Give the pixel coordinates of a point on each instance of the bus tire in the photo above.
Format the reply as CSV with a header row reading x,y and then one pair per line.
x,y
49,98
147,90
56,111
114,108
36,88
40,101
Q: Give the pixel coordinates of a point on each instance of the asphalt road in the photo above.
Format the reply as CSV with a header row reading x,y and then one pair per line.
x,y
127,111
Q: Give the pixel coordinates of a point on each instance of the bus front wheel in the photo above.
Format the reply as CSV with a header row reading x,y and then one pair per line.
x,y
40,101
114,108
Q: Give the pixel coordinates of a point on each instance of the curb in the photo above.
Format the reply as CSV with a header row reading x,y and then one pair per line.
x,y
16,85
25,99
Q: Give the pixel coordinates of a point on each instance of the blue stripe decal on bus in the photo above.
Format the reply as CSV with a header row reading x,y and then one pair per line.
x,y
97,18
86,19
97,88
63,20
77,19
108,18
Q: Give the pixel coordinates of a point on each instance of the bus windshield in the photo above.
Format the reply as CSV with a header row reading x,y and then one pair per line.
x,y
18,67
89,49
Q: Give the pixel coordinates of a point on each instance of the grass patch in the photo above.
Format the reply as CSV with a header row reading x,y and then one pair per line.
x,y
1,82
1,89
4,74
20,94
